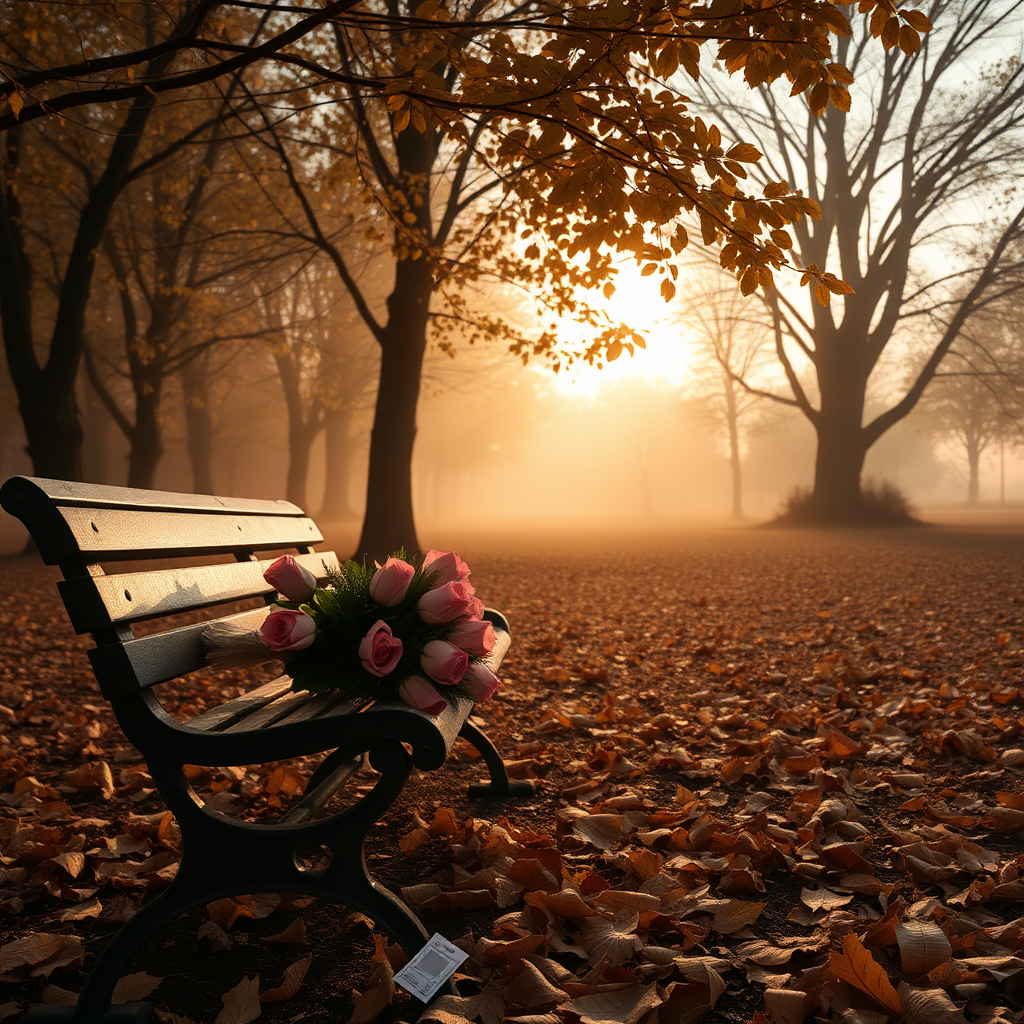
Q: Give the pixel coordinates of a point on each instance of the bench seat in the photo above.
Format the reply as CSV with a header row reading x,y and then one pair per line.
x,y
221,547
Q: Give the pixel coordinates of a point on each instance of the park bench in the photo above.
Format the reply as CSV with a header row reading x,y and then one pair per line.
x,y
78,527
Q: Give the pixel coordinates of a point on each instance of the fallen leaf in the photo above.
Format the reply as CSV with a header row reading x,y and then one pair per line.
x,y
735,915
857,966
929,1006
369,1004
530,988
923,946
90,908
615,940
786,1006
54,995
625,1006
290,983
134,987
242,1003
294,934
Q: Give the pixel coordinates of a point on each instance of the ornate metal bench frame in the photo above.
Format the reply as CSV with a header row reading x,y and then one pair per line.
x,y
77,527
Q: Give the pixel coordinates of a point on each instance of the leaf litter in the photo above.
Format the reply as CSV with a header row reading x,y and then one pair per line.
x,y
779,781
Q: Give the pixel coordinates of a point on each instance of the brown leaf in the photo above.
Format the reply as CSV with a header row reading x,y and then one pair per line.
x,y
625,1006
28,951
786,1006
294,934
531,988
369,1004
54,995
211,932
824,899
606,831
90,908
491,953
567,903
38,955
687,1001
929,1006
735,915
616,940
134,987
619,899
93,776
923,946
241,1004
290,983
856,965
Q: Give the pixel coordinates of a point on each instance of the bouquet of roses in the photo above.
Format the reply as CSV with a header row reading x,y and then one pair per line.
x,y
414,632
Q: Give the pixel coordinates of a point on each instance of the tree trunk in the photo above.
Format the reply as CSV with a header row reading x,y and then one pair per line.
x,y
46,394
303,427
973,461
53,428
389,523
837,470
732,416
300,440
198,423
338,444
841,448
146,437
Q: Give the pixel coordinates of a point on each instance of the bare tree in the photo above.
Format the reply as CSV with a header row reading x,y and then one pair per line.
x,y
977,398
734,346
894,178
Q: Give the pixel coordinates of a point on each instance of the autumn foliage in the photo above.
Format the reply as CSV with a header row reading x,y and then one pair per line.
x,y
777,784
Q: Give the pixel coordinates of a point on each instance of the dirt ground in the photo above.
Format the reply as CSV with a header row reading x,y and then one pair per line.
x,y
779,778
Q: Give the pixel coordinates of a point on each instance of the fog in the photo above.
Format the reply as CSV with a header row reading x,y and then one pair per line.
x,y
506,446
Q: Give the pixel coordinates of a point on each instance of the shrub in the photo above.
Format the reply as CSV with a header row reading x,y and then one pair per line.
x,y
882,503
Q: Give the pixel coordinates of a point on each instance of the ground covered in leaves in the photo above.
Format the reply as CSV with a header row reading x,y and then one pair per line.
x,y
779,780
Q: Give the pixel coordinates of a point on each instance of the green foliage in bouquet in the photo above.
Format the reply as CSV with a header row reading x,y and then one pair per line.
x,y
344,613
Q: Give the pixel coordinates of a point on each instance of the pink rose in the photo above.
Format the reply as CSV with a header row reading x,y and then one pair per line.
x,y
380,650
422,695
476,609
442,604
473,636
481,682
443,662
444,567
390,583
287,629
289,578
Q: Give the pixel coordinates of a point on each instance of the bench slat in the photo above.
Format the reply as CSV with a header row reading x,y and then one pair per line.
x,y
99,602
20,489
138,664
116,533
295,706
230,711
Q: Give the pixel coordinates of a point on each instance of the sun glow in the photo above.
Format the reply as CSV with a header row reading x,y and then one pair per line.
x,y
637,303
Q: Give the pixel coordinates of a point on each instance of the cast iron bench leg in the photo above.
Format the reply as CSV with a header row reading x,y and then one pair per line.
x,y
222,857
500,784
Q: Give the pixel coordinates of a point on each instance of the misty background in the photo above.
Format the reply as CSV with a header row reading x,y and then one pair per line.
x,y
264,240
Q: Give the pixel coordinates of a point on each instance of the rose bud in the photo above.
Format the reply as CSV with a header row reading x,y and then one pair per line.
x,y
481,682
289,578
473,636
422,695
444,567
390,583
442,604
444,662
287,629
380,650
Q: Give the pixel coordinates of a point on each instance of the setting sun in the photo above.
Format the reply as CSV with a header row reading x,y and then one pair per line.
x,y
637,303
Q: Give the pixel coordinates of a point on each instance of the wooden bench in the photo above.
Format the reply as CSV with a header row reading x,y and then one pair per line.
x,y
78,527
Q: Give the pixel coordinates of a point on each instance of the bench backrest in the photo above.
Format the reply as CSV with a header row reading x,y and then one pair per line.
x,y
78,527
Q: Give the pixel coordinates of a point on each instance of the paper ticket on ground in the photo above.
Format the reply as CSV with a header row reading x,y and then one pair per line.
x,y
431,967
